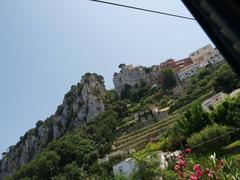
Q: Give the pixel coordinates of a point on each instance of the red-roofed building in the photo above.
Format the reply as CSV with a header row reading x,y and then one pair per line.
x,y
176,65
180,64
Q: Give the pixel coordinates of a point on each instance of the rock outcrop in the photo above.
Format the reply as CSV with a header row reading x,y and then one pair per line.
x,y
82,103
132,76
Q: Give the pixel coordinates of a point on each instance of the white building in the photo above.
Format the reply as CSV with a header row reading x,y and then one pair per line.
x,y
213,59
188,71
125,167
202,54
203,64
216,58
201,58
214,100
129,165
235,93
165,157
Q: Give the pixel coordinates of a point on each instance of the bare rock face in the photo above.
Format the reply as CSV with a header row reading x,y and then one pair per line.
x,y
82,103
132,76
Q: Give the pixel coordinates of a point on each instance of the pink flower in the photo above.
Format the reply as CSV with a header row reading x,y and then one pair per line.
x,y
176,168
181,157
199,173
221,162
182,163
196,167
198,170
188,150
209,173
180,174
193,177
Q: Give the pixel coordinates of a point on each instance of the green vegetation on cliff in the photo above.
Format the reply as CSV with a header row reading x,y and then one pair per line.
x,y
76,154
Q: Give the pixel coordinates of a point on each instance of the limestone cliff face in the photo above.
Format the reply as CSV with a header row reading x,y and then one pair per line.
x,y
82,103
133,76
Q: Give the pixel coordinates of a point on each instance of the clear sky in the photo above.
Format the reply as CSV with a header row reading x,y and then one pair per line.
x,y
47,45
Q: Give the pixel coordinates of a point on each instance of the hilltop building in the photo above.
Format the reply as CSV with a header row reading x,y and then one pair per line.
x,y
188,71
182,63
176,65
202,54
200,58
216,58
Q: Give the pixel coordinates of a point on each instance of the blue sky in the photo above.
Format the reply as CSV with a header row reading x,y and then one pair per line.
x,y
46,46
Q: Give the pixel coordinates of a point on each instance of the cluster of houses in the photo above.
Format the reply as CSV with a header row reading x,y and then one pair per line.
x,y
200,58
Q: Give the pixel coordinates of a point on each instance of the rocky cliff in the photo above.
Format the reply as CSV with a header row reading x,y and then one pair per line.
x,y
82,103
133,76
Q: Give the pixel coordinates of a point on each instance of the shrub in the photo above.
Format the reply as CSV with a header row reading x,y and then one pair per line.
x,y
147,169
121,177
72,171
202,73
147,69
208,133
227,113
225,79
168,78
169,175
59,110
195,168
39,123
126,92
194,120
121,66
233,147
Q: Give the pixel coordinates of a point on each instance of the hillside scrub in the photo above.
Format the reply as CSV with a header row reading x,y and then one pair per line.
x,y
228,112
225,79
200,139
83,146
168,79
196,119
76,154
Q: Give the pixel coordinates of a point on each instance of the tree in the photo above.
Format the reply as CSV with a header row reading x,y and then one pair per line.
x,y
202,73
65,149
39,123
225,79
227,113
121,66
100,78
193,120
168,78
72,171
126,92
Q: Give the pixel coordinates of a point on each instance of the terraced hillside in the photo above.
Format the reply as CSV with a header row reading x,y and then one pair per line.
x,y
139,138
